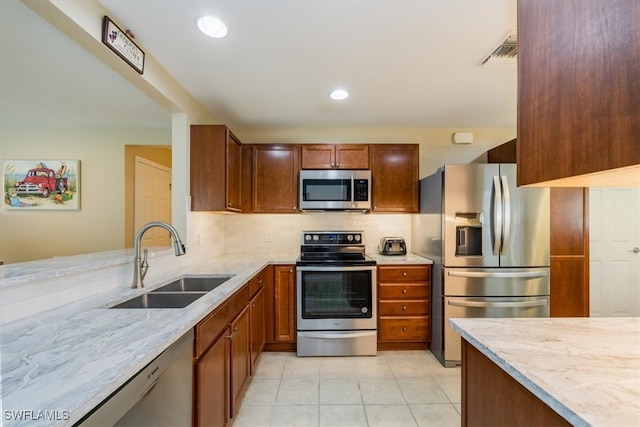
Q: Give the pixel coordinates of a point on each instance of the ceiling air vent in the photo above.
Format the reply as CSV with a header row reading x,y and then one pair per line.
x,y
505,54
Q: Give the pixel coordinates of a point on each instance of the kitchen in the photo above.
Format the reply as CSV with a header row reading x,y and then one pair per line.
x,y
443,135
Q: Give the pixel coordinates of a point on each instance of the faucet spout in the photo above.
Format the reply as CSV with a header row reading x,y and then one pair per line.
x,y
140,267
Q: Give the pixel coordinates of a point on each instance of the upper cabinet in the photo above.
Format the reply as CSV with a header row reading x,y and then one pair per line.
x,y
578,92
342,156
274,178
216,171
394,171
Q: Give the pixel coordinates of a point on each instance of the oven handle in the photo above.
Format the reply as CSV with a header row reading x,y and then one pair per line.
x,y
330,335
485,304
499,275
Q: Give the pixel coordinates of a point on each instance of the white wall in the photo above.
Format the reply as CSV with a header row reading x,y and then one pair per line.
x,y
99,224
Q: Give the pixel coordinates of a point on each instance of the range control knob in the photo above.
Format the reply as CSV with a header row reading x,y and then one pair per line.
x,y
349,237
307,237
357,237
316,237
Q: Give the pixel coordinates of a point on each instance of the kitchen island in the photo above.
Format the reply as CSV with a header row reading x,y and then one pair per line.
x,y
571,371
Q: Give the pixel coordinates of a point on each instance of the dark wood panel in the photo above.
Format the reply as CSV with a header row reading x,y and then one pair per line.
x,y
285,304
275,178
404,308
256,307
404,291
569,286
405,273
352,156
578,87
211,385
394,174
569,221
240,358
207,167
491,397
404,328
504,153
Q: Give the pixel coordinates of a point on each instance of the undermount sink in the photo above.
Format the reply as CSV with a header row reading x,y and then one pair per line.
x,y
177,294
193,284
161,300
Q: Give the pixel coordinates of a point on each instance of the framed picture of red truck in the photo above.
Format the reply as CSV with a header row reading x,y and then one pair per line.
x,y
42,184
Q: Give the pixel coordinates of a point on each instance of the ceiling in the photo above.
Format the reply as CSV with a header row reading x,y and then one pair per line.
x,y
405,63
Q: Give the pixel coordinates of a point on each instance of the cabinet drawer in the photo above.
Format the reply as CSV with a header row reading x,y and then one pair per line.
x,y
256,283
415,328
404,308
209,328
408,273
404,291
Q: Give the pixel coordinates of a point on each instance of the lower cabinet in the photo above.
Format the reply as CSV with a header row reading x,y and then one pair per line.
x,y
227,345
280,307
404,307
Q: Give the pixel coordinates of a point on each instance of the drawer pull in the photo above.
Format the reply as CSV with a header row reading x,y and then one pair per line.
x,y
404,291
404,329
404,308
404,273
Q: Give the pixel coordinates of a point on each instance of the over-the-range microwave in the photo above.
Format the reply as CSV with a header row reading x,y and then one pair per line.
x,y
335,190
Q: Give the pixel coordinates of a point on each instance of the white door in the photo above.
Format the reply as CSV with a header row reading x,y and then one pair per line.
x,y
152,195
614,236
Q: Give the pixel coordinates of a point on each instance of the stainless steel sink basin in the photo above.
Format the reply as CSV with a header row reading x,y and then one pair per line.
x,y
161,300
193,284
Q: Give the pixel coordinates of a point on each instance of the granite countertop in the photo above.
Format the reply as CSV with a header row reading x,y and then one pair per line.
x,y
399,259
68,360
586,369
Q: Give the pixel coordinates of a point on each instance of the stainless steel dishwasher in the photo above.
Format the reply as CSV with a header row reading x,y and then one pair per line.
x,y
159,395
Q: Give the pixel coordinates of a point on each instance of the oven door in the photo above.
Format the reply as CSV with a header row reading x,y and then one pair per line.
x,y
333,298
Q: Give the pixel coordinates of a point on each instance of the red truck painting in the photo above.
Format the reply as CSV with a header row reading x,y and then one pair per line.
x,y
42,181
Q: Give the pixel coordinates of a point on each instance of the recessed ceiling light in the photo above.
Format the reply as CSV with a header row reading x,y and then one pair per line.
x,y
212,27
339,94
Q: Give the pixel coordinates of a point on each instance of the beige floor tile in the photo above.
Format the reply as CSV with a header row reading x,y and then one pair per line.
x,y
340,391
389,416
338,367
301,367
441,415
298,391
380,391
295,416
262,391
270,368
342,416
373,368
451,385
253,416
422,390
408,367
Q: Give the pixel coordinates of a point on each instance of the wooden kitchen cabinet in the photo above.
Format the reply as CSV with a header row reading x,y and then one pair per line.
x,y
211,385
578,90
215,169
240,358
335,156
395,174
257,315
404,307
274,182
280,309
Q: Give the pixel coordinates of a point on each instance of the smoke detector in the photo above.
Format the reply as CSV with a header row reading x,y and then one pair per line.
x,y
505,55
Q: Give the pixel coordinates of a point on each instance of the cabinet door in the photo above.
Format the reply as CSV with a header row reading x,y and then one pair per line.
x,y
352,156
394,171
256,310
211,382
275,178
318,156
240,358
234,173
285,304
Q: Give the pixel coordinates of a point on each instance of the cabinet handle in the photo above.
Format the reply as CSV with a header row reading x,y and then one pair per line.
x,y
259,281
229,337
253,305
404,308
404,291
404,329
235,329
404,273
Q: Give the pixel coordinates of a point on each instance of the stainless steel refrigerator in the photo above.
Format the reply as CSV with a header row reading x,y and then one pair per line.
x,y
489,241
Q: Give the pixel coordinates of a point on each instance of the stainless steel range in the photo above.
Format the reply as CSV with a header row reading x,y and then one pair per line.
x,y
336,295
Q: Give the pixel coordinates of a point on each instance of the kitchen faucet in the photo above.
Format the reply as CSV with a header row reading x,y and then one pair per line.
x,y
140,264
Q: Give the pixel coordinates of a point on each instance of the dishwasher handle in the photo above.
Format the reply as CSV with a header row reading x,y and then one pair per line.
x,y
486,304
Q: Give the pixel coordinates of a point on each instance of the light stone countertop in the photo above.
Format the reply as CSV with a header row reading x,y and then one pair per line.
x,y
586,369
69,359
409,258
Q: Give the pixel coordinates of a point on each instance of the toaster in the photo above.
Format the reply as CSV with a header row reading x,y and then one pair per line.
x,y
392,246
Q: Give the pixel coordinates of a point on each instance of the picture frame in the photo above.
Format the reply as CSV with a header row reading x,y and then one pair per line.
x,y
41,185
123,45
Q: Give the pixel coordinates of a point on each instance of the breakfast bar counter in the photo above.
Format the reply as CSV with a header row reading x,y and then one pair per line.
x,y
558,371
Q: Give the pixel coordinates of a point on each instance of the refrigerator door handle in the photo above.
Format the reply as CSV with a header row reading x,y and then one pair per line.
x,y
506,226
486,304
497,215
499,274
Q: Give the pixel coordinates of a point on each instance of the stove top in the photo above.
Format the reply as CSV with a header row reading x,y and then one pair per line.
x,y
333,248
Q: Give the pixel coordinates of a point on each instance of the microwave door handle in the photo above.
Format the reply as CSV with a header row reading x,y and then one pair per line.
x,y
507,216
353,202
487,304
497,216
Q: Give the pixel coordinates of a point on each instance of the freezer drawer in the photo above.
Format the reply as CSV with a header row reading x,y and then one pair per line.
x,y
480,307
497,282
